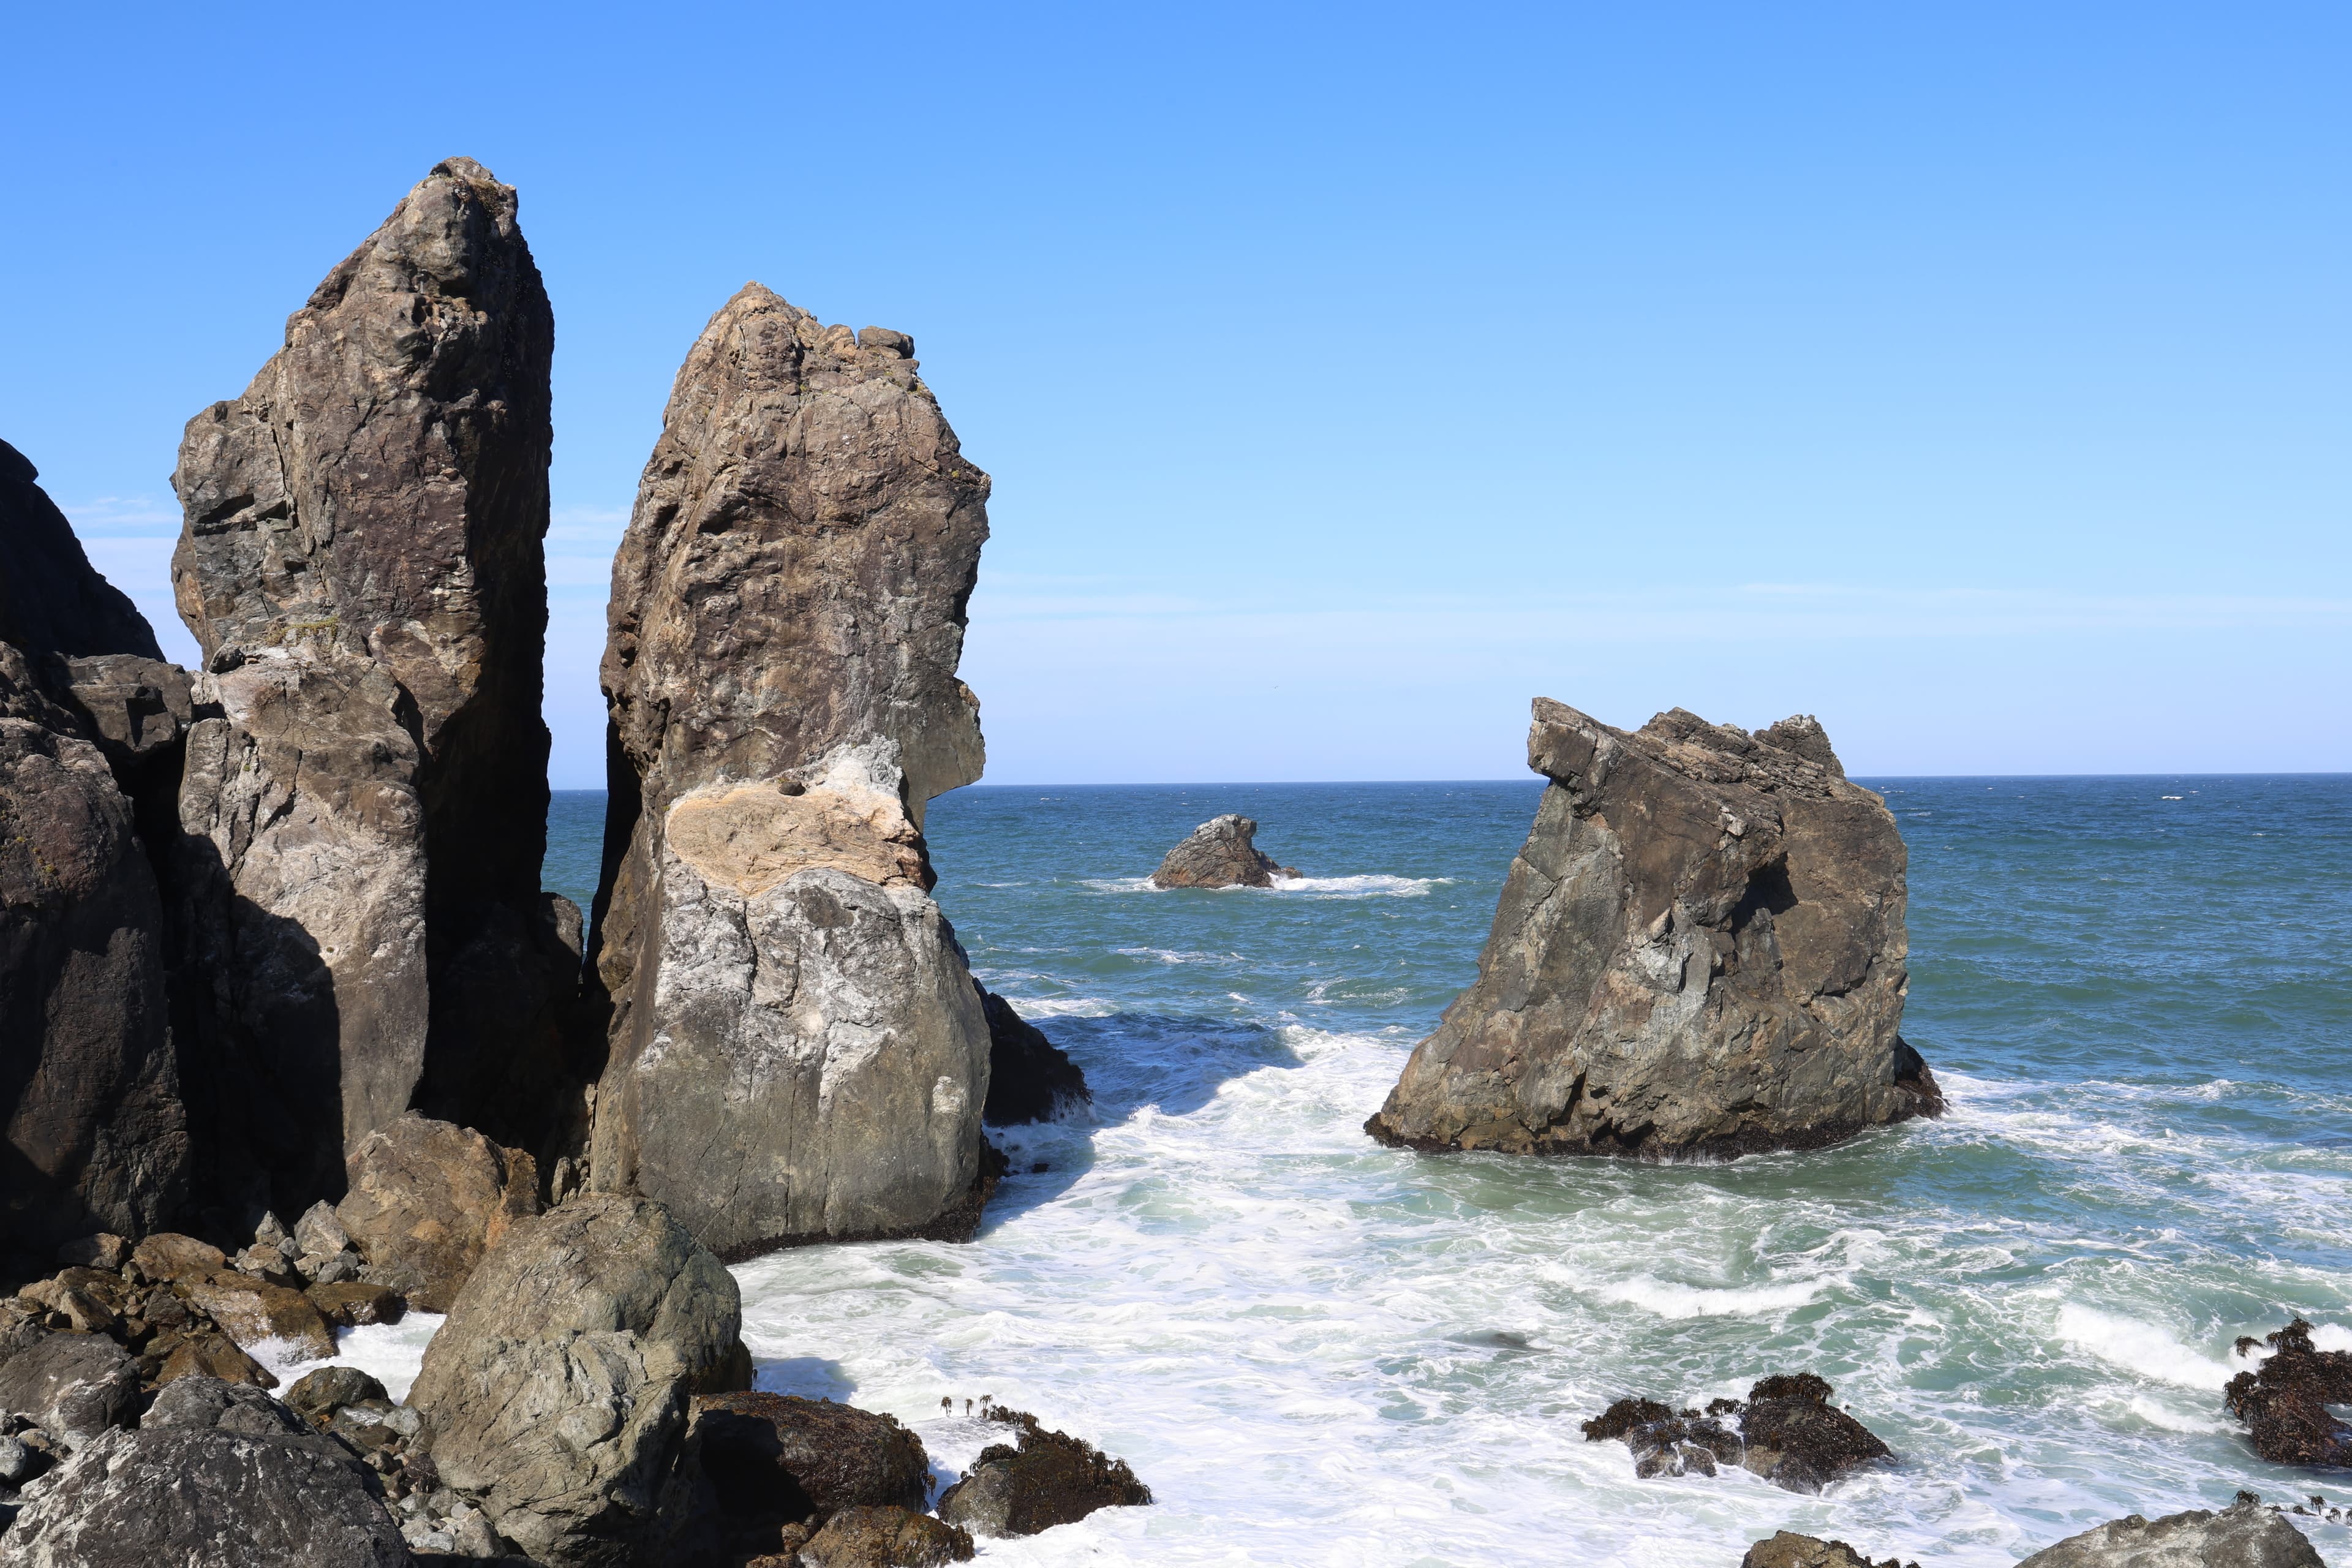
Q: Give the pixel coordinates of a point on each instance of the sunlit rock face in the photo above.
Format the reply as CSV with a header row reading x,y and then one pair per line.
x,y
1700,951
796,1047
363,815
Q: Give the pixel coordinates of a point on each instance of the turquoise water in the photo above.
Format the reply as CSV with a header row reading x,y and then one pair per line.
x,y
1321,1352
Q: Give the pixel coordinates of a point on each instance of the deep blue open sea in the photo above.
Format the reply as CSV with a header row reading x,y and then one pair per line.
x,y
2138,993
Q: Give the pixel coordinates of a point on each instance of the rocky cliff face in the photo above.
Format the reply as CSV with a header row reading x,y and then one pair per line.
x,y
88,1089
797,1049
1700,950
362,821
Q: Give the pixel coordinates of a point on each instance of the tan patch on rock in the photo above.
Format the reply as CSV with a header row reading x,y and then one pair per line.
x,y
752,836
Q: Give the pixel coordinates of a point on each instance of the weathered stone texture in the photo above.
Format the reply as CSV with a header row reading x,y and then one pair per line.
x,y
557,1392
2244,1535
362,565
1700,950
428,1199
217,1477
796,1048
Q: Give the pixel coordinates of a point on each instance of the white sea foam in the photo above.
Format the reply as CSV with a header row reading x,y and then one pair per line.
x,y
1062,1007
392,1353
1671,1301
1169,955
2140,1347
1364,887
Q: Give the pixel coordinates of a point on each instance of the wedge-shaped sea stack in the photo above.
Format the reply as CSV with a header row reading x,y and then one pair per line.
x,y
362,824
796,1047
1699,950
95,1136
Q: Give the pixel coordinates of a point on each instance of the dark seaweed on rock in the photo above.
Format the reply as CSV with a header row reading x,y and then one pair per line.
x,y
2284,1402
1788,1433
1786,1549
1050,1478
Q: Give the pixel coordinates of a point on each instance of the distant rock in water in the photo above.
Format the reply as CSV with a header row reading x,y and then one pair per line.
x,y
2244,1535
1030,1079
1700,951
797,1051
1220,854
2284,1402
364,817
1786,1431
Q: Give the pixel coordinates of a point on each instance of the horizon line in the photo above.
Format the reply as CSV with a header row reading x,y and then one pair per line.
x,y
1538,778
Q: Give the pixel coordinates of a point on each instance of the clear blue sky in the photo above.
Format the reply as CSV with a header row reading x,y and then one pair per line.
x,y
1978,377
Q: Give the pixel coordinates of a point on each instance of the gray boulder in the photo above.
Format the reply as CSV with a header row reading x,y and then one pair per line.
x,y
2244,1535
1699,950
217,1477
557,1392
72,1386
796,1047
1220,853
362,563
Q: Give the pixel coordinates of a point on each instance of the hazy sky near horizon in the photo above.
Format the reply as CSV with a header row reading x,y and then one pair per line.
x,y
1976,377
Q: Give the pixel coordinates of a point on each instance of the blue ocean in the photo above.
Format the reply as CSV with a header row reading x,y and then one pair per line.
x,y
2136,992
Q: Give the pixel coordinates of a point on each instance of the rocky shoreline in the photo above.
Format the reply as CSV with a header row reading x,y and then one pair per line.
x,y
273,944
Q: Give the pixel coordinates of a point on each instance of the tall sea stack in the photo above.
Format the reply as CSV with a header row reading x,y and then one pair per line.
x,y
796,1047
1699,950
95,1136
365,814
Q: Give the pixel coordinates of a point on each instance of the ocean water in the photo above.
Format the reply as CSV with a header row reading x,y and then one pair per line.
x,y
2137,994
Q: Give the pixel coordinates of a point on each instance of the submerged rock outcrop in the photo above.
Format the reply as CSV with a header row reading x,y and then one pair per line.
x,y
1786,1431
1220,853
1700,950
362,819
1041,1480
1787,1549
1030,1079
96,1136
796,1048
2244,1535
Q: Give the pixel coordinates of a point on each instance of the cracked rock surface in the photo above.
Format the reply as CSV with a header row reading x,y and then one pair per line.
x,y
1700,950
